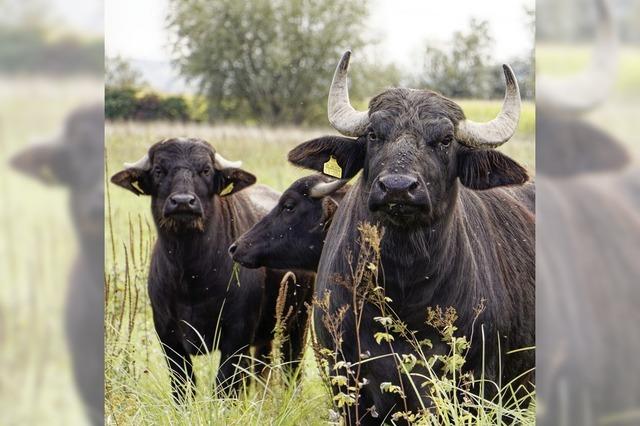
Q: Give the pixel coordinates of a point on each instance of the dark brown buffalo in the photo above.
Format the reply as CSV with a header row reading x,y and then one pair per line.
x,y
200,206
457,230
292,235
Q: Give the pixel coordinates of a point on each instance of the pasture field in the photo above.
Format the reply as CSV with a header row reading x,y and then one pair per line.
x,y
137,380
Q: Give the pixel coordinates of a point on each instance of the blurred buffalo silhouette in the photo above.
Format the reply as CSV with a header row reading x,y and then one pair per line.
x,y
588,236
75,159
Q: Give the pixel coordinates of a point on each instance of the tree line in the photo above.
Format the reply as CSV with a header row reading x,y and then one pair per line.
x,y
271,61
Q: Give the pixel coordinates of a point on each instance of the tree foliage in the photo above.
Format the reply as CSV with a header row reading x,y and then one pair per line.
x,y
120,74
267,60
465,68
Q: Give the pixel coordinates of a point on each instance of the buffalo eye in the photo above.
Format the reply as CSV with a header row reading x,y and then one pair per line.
x,y
372,136
206,171
158,172
446,140
289,207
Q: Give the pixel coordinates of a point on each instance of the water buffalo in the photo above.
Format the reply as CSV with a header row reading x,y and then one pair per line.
x,y
455,232
75,160
292,235
200,206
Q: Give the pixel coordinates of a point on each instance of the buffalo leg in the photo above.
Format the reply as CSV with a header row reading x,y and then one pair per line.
x,y
179,363
234,362
182,377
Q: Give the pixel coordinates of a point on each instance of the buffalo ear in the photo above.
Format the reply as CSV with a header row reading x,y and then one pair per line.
x,y
484,169
229,181
329,207
133,179
46,163
335,156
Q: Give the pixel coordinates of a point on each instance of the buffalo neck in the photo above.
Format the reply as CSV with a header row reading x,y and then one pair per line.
x,y
430,263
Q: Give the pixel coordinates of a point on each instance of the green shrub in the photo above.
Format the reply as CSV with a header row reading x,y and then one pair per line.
x,y
119,104
128,104
174,108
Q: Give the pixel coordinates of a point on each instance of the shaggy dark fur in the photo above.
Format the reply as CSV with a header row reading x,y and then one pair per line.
x,y
450,245
292,235
192,287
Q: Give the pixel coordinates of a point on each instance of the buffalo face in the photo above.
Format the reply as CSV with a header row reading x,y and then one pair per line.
x,y
411,159
183,177
413,146
291,236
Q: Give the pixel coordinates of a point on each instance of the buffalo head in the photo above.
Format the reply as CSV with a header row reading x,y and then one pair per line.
x,y
292,235
182,176
413,146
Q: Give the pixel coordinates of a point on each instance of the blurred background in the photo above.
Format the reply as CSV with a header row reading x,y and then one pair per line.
x,y
51,64
588,226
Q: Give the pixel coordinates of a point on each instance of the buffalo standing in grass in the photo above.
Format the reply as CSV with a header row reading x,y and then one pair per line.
x,y
457,230
200,206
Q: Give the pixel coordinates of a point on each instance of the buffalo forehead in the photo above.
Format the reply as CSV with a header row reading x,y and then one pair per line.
x,y
398,111
181,149
304,184
421,103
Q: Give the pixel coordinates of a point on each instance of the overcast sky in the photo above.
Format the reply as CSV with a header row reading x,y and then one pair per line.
x,y
135,29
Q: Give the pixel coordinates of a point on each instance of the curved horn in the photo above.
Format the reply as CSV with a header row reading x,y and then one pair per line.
x,y
141,164
591,87
500,129
342,116
222,163
322,189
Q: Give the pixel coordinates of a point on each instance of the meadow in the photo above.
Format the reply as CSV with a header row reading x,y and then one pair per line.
x,y
137,381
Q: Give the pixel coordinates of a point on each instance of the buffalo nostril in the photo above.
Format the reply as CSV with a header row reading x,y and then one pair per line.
x,y
233,248
382,186
183,200
413,186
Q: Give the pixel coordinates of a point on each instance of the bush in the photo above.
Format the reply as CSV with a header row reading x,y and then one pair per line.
x,y
119,104
175,108
127,104
148,107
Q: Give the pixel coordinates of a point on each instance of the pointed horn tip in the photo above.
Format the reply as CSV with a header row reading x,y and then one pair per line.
x,y
509,75
344,60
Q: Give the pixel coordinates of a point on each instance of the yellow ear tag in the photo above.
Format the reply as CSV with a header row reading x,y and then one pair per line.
x,y
227,190
332,168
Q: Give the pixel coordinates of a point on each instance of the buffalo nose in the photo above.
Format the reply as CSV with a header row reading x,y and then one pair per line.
x,y
397,184
182,200
233,248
